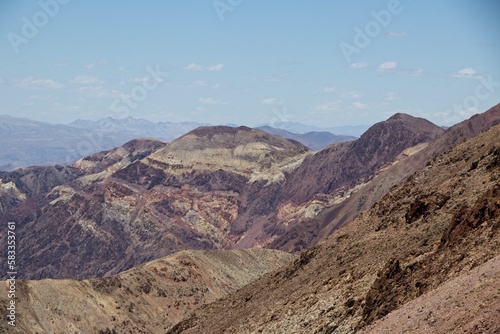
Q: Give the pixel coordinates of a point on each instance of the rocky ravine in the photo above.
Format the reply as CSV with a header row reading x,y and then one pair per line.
x,y
440,224
146,299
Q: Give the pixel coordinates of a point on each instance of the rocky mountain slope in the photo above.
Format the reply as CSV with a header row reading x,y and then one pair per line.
x,y
435,227
148,199
146,299
469,303
303,231
28,183
344,165
329,177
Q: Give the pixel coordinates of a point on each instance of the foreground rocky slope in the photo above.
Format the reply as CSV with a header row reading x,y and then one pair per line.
x,y
440,224
146,299
469,303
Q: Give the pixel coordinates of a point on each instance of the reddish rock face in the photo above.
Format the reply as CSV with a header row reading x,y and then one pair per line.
x,y
345,165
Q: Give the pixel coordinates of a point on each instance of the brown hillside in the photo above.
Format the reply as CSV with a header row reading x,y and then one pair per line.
x,y
146,299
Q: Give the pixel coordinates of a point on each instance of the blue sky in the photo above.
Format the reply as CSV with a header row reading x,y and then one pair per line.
x,y
322,63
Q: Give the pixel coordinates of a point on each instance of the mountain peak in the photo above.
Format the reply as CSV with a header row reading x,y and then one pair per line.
x,y
400,116
252,153
204,131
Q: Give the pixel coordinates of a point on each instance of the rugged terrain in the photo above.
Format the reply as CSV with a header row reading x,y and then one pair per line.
x,y
213,188
145,200
302,231
28,143
224,187
331,176
434,228
146,299
469,303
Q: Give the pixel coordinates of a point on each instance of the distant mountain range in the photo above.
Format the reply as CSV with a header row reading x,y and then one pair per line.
x,y
294,127
28,143
315,140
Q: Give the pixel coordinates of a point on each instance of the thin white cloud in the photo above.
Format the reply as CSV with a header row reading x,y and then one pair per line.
x,y
330,106
86,80
413,73
276,78
211,68
211,100
387,66
33,83
272,101
217,67
466,73
101,92
142,80
201,83
61,64
357,65
397,33
40,97
359,105
96,64
194,67
391,96
342,93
